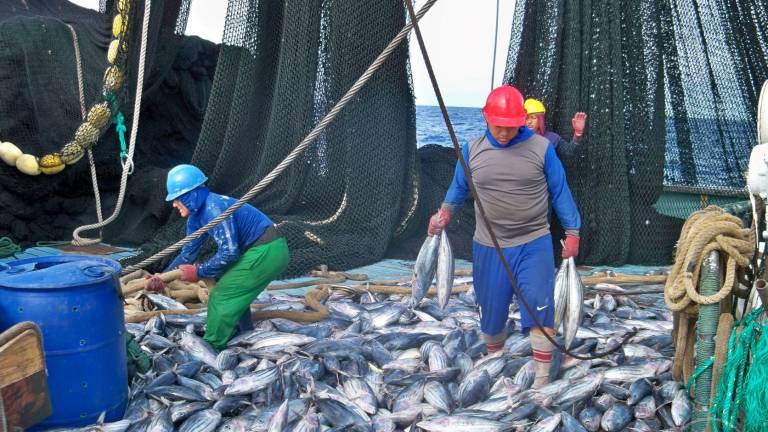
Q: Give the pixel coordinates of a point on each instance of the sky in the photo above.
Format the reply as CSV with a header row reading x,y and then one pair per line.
x,y
459,39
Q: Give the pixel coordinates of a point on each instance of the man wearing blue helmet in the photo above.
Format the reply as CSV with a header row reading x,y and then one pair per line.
x,y
251,253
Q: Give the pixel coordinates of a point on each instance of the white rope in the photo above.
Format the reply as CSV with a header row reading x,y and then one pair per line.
x,y
128,165
317,130
94,179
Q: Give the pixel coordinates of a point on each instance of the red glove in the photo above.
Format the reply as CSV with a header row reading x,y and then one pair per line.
x,y
189,273
571,246
578,122
155,284
439,221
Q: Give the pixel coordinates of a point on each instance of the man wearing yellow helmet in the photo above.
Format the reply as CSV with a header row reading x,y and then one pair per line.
x,y
535,121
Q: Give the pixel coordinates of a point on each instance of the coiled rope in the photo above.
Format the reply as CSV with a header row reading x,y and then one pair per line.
x,y
296,152
711,229
128,163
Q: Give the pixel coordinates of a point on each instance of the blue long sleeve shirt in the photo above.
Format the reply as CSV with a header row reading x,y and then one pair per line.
x,y
233,236
515,182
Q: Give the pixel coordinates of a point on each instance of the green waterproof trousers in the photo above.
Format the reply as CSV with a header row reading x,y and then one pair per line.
x,y
240,285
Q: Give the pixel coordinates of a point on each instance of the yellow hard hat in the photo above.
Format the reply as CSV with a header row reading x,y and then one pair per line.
x,y
533,106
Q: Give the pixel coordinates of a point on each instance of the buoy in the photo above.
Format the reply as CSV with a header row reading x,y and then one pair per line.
x,y
71,153
119,25
51,164
9,153
112,51
123,6
113,79
99,115
86,135
27,164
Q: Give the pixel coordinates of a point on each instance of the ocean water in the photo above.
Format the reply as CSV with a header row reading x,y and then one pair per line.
x,y
718,163
468,123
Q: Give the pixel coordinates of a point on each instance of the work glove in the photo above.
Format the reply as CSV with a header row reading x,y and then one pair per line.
x,y
438,222
571,246
578,122
189,272
155,284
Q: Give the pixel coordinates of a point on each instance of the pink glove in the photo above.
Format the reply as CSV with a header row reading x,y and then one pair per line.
x,y
578,122
439,221
571,247
189,273
155,284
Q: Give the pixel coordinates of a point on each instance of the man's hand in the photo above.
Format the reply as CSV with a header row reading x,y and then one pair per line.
x,y
438,222
571,246
189,272
578,122
155,284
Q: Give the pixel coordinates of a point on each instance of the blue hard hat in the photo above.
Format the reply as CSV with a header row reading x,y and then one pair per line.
x,y
182,179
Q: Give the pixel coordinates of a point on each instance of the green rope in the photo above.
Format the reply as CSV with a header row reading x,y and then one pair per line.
x,y
8,247
732,387
121,129
697,372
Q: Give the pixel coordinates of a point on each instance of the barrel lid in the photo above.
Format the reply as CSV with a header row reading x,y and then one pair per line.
x,y
54,272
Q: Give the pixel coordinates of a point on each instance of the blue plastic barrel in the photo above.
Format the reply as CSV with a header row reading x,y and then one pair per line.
x,y
76,302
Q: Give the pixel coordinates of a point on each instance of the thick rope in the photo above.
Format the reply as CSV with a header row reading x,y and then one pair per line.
x,y
128,164
316,131
711,229
94,179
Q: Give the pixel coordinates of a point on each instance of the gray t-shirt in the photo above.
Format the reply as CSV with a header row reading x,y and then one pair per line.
x,y
515,184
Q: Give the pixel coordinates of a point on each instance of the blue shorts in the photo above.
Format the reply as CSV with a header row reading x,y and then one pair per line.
x,y
533,267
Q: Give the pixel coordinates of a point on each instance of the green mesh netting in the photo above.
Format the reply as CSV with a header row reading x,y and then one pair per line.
x,y
670,90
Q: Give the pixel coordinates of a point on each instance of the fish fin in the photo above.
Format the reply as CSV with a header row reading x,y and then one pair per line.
x,y
102,416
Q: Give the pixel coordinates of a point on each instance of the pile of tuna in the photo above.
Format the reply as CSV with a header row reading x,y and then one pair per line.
x,y
377,364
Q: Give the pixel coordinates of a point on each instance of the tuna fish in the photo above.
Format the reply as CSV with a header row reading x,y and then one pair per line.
x,y
444,270
425,267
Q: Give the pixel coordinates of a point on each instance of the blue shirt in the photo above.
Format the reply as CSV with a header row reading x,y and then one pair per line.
x,y
233,236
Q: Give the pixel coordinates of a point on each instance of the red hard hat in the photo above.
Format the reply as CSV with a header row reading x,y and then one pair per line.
x,y
504,107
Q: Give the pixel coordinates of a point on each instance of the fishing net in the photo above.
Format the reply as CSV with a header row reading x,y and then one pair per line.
x,y
281,67
40,110
670,89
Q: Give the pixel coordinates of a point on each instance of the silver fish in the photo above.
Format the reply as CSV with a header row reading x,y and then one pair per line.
x,y
445,267
198,348
574,304
549,424
438,359
252,382
424,268
681,408
165,303
282,339
361,394
461,423
437,395
280,419
616,418
203,421
561,293
646,408
474,387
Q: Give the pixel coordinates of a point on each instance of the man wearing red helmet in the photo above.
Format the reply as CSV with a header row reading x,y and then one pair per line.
x,y
515,172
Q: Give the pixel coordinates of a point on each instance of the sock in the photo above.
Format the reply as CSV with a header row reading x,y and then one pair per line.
x,y
542,355
495,343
